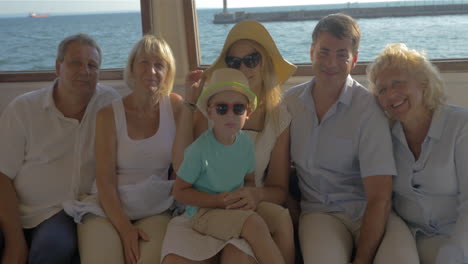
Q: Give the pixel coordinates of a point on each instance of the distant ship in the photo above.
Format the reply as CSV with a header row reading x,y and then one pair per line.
x,y
33,14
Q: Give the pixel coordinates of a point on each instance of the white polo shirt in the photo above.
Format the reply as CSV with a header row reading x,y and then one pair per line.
x,y
332,157
49,157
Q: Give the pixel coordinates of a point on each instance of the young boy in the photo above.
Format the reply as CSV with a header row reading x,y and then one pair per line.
x,y
220,161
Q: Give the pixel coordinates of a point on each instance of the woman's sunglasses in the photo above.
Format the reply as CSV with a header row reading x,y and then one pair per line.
x,y
223,108
251,60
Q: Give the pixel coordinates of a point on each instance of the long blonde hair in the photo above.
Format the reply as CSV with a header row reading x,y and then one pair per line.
x,y
270,91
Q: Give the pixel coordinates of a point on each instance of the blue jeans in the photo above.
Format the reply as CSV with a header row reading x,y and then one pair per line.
x,y
52,241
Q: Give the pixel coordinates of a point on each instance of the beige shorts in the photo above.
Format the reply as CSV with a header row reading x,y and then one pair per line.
x,y
220,223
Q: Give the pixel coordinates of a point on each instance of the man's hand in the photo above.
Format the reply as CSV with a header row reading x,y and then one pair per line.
x,y
16,249
15,252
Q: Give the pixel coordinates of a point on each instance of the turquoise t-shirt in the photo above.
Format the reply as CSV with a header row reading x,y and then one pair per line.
x,y
212,167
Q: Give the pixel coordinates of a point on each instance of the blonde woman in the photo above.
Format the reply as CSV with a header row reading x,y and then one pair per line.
x,y
134,139
250,49
430,144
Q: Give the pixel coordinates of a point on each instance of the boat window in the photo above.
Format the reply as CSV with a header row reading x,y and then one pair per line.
x,y
31,33
290,22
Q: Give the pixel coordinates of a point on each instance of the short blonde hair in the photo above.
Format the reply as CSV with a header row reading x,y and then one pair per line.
x,y
152,45
399,57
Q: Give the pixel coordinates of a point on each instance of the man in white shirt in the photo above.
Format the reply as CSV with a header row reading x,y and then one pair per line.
x,y
342,150
47,156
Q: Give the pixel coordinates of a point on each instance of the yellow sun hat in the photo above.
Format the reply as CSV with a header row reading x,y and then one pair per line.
x,y
226,79
253,30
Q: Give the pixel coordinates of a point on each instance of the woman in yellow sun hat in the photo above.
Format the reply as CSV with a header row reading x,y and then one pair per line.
x,y
250,49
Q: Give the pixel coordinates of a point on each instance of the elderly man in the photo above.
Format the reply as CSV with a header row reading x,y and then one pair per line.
x,y
47,156
342,149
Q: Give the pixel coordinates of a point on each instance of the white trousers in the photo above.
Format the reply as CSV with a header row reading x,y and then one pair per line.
x,y
330,238
99,242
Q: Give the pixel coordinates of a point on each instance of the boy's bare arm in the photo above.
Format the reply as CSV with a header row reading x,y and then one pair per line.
x,y
186,194
249,180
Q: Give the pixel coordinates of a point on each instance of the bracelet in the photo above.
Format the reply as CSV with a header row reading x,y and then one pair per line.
x,y
190,105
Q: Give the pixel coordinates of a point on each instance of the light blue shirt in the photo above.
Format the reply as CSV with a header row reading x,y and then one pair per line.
x,y
351,142
215,168
431,193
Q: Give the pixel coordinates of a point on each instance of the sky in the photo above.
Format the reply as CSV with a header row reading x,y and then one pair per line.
x,y
23,7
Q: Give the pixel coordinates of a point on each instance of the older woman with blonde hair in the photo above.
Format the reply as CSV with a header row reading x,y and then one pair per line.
x,y
430,144
250,49
125,218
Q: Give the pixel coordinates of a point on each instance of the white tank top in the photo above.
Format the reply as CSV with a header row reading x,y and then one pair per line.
x,y
139,159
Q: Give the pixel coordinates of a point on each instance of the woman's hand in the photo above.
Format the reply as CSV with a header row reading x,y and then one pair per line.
x,y
130,239
193,86
244,198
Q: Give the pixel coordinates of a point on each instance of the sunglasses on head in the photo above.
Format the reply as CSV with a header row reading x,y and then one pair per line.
x,y
251,60
223,108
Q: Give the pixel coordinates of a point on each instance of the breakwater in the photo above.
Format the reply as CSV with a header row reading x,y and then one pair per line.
x,y
356,12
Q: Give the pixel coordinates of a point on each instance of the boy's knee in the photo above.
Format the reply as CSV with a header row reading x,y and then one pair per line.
x,y
282,223
276,217
255,224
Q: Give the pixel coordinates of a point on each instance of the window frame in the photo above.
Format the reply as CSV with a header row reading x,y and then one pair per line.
x,y
104,74
303,69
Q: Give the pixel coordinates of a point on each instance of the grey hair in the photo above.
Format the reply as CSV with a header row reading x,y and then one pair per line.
x,y
79,38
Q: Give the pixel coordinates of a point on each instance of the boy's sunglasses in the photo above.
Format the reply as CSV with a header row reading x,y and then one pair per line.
x,y
251,60
223,108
